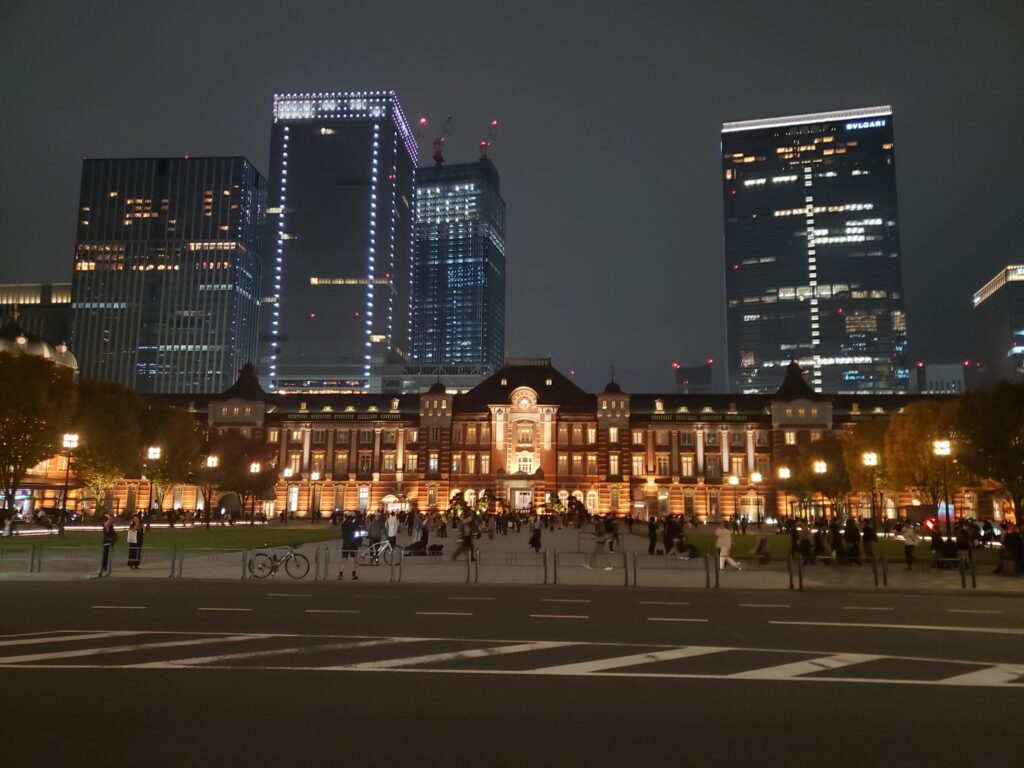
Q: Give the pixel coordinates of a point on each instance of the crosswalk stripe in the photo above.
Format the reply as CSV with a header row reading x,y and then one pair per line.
x,y
632,660
9,660
924,627
291,651
476,653
784,671
994,675
65,638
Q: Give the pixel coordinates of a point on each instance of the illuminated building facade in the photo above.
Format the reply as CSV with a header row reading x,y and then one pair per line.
x,y
459,266
999,327
165,291
40,308
812,252
342,205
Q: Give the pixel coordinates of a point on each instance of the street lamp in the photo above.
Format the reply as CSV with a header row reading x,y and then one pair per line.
x,y
820,468
70,443
870,459
784,474
755,478
941,449
734,482
153,453
254,469
212,461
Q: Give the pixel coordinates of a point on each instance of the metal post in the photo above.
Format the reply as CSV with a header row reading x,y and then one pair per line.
x,y
174,561
327,563
554,561
800,572
963,573
945,495
545,566
874,569
789,566
476,567
885,572
718,565
110,558
635,561
974,570
625,567
316,565
469,559
245,562
707,571
181,562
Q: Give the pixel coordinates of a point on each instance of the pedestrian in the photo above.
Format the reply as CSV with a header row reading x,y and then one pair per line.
x,y
391,528
349,545
743,525
611,531
600,542
963,544
869,537
109,540
761,550
135,532
467,534
910,542
652,534
723,540
535,533
671,531
851,538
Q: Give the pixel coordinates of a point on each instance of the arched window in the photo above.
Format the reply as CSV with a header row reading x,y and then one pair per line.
x,y
592,502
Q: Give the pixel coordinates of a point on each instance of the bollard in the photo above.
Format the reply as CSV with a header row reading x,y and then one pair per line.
x,y
554,563
316,565
874,569
963,573
974,570
789,566
635,561
181,562
885,572
800,572
174,562
545,566
707,571
327,562
32,557
245,562
625,568
718,565
476,567
391,566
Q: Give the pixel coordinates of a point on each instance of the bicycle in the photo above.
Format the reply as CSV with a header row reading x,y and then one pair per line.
x,y
295,565
372,553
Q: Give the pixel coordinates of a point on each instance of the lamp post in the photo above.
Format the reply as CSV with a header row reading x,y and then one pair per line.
x,y
784,474
212,461
941,449
734,482
70,443
254,469
153,453
755,478
820,468
870,459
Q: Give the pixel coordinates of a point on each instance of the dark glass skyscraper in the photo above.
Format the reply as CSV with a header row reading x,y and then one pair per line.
x,y
343,171
167,270
459,266
812,252
999,326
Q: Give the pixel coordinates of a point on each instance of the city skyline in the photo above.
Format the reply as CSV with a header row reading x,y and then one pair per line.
x,y
644,215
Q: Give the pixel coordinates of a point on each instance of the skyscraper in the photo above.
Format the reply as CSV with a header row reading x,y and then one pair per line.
x,y
812,252
459,266
165,291
999,326
342,203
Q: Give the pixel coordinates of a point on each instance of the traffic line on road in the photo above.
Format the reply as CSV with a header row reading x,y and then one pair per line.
x,y
671,618
923,627
119,607
764,605
556,616
443,613
290,651
224,609
475,653
968,610
998,674
286,594
65,638
867,608
563,600
660,602
453,597
10,660
632,660
328,610
820,664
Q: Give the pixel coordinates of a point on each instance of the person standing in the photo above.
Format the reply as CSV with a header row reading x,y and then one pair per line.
x,y
109,540
869,537
391,526
723,540
963,544
652,534
535,533
671,531
349,545
135,532
851,536
910,542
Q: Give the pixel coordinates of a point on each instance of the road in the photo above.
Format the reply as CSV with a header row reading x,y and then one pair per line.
x,y
133,672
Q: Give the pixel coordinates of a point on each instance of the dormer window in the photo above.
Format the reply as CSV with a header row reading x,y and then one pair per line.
x,y
504,382
547,382
659,405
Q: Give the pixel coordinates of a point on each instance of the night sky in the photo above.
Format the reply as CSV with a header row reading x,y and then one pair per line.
x,y
608,147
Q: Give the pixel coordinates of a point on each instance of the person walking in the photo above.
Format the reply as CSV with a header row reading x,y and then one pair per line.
x,y
671,531
652,534
851,536
910,541
467,533
391,528
135,532
723,540
349,545
600,542
869,537
109,540
761,549
963,545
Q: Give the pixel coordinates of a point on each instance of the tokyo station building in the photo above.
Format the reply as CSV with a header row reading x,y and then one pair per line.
x,y
528,434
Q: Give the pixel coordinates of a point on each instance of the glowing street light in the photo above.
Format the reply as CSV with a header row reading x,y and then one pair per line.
x,y
942,449
255,467
70,442
820,467
784,473
153,453
212,461
870,459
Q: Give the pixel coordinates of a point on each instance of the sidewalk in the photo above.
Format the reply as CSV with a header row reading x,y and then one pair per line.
x,y
509,560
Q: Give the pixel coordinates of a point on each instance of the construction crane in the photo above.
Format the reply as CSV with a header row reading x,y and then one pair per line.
x,y
485,145
421,125
439,142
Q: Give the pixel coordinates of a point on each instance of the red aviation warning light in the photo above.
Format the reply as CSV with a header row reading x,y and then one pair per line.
x,y
485,145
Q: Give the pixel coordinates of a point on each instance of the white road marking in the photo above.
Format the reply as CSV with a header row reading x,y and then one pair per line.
x,y
924,627
443,613
328,610
472,598
120,607
632,660
224,609
998,674
562,600
786,671
763,605
66,638
670,618
660,602
285,594
476,653
867,608
556,616
968,610
221,658
9,660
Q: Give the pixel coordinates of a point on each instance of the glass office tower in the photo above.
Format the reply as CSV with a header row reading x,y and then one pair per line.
x,y
459,266
341,210
164,296
812,252
999,326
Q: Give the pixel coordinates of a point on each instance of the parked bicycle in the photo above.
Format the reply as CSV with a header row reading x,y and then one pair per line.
x,y
264,564
372,554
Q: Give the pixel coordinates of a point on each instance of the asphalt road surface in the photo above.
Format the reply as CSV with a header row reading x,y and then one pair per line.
x,y
141,673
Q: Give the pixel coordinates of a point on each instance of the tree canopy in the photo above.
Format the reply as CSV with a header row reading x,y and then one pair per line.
x,y
109,420
990,428
173,431
909,458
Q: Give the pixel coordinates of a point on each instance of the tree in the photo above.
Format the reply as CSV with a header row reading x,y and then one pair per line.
x,y
866,437
909,458
990,432
109,419
37,400
236,456
173,431
834,482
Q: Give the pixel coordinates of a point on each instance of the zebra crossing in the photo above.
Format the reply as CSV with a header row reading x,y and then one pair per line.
x,y
167,650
